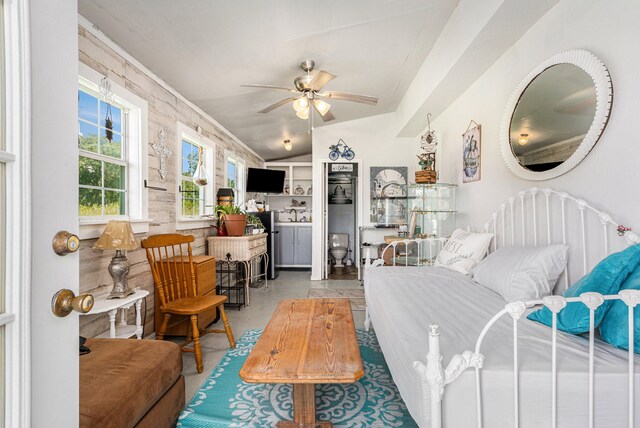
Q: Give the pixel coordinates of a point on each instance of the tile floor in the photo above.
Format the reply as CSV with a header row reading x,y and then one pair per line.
x,y
289,285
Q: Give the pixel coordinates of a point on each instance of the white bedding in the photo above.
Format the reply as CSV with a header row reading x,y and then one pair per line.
x,y
403,301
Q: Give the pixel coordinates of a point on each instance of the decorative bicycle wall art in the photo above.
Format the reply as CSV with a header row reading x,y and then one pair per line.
x,y
341,149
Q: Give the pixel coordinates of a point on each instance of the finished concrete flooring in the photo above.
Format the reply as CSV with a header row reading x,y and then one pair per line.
x,y
289,285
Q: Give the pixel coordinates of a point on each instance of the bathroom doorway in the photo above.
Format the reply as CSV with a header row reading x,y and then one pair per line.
x,y
342,221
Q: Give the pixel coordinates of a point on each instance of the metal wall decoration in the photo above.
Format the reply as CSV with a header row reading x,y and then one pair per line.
x,y
341,149
471,146
163,152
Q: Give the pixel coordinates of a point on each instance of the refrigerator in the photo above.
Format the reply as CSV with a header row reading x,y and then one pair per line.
x,y
268,219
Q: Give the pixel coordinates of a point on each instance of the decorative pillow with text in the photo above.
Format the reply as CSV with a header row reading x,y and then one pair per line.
x,y
463,250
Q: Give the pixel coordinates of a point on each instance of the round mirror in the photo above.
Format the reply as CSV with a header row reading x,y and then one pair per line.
x,y
556,115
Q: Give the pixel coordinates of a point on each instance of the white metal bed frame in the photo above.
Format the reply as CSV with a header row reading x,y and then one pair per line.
x,y
525,208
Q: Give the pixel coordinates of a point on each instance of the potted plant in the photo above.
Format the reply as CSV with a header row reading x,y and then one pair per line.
x,y
255,221
233,218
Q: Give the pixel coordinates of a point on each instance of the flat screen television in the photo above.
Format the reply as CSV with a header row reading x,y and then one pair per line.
x,y
265,180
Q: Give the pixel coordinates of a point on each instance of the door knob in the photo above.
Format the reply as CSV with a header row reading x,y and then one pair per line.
x,y
65,243
65,301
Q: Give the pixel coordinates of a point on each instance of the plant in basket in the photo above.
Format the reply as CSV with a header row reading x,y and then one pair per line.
x,y
231,219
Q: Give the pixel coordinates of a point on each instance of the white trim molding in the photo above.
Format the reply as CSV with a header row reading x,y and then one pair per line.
x,y
18,215
595,68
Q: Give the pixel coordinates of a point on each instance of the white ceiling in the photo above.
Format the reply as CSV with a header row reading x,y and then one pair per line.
x,y
207,49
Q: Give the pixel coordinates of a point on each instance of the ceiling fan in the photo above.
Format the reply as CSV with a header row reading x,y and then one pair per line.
x,y
308,94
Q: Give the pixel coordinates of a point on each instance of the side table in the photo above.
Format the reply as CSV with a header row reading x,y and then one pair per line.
x,y
111,307
244,250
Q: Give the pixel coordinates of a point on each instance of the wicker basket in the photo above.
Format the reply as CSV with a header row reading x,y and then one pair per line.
x,y
239,247
425,177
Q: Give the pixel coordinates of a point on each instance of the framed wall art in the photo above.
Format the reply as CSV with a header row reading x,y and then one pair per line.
x,y
388,195
471,147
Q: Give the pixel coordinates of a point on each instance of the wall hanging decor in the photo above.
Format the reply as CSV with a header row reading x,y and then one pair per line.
x,y
471,144
200,177
163,152
341,149
388,195
427,159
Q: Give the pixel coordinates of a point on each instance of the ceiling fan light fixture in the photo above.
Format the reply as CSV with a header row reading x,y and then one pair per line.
x,y
301,104
288,145
322,106
303,114
524,139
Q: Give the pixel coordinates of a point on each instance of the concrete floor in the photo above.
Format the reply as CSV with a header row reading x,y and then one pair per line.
x,y
289,285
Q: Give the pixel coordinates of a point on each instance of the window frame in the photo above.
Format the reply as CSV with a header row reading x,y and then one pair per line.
x,y
135,150
203,220
241,165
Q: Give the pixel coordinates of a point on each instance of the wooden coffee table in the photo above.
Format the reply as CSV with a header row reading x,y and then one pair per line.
x,y
307,341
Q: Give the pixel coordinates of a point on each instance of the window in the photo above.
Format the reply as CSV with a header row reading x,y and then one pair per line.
x,y
112,156
235,173
103,161
194,202
192,195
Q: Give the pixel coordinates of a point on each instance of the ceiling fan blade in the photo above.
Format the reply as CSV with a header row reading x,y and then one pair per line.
x,y
345,96
251,85
278,104
327,116
321,79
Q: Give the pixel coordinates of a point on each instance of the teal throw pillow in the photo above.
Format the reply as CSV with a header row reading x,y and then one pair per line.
x,y
606,278
615,325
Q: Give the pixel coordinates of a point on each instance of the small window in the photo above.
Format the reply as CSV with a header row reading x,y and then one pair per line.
x,y
235,174
193,196
194,203
103,163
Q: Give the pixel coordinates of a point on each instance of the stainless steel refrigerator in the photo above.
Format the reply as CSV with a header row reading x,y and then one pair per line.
x,y
268,219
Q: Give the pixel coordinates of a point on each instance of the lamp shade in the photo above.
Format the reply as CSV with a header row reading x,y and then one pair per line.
x,y
288,145
118,235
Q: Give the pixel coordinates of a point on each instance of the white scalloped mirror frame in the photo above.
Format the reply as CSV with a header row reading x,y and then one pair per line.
x,y
593,66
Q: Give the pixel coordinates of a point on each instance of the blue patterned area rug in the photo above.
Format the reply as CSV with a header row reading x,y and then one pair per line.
x,y
224,400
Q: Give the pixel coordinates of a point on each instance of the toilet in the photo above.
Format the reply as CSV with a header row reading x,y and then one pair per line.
x,y
338,247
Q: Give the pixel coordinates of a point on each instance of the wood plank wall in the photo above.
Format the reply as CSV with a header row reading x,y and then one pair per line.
x,y
165,111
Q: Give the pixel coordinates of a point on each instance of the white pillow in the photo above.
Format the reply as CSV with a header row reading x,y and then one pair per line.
x,y
463,250
522,273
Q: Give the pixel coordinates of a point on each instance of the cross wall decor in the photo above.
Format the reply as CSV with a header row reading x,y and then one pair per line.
x,y
163,152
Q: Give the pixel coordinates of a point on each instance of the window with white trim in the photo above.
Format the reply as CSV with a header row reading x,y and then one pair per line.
x,y
194,202
112,156
103,162
235,172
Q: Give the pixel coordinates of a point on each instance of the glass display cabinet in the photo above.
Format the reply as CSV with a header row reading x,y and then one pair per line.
x,y
432,209
431,215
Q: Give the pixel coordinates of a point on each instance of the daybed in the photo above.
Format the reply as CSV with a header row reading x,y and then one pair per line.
x,y
403,301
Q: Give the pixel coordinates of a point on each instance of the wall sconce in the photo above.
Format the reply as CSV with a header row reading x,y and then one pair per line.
x,y
288,145
524,139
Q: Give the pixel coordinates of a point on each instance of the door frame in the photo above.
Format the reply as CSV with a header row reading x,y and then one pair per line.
x,y
320,227
18,212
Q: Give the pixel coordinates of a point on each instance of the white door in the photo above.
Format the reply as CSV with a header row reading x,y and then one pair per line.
x,y
53,171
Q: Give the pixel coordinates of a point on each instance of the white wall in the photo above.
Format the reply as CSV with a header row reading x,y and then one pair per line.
x,y
374,142
608,176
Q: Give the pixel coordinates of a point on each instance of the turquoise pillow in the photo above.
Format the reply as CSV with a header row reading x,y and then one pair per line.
x,y
615,325
605,278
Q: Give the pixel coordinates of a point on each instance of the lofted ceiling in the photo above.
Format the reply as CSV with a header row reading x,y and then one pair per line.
x,y
207,49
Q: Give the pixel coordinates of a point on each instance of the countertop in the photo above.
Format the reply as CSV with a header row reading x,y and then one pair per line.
x,y
293,223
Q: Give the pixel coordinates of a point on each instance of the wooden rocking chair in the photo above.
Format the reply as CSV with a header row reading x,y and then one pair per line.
x,y
176,287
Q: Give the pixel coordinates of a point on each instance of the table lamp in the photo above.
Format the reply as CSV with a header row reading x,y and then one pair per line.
x,y
118,236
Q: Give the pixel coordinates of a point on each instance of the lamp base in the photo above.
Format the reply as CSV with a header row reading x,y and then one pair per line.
x,y
119,269
120,295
